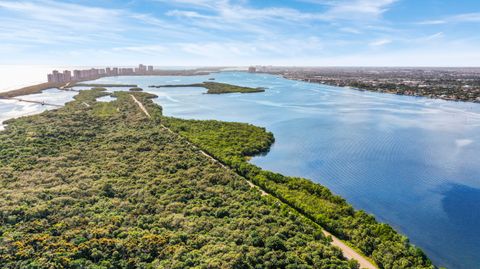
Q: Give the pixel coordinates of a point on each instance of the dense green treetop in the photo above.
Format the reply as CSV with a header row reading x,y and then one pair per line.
x,y
214,87
100,185
234,143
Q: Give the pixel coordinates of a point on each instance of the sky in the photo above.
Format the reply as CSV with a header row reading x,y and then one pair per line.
x,y
240,32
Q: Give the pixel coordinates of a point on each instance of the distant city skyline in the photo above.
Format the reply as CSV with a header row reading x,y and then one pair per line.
x,y
93,73
240,32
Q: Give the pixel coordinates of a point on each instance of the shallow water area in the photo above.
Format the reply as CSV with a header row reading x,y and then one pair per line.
x,y
13,109
410,161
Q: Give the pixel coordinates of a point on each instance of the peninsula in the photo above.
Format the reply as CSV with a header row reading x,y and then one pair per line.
x,y
453,84
67,79
118,184
214,87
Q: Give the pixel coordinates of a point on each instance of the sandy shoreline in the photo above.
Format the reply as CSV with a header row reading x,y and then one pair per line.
x,y
38,88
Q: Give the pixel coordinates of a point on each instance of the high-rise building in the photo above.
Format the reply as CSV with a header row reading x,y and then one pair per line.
x,y
94,73
57,76
84,74
67,76
77,74
142,69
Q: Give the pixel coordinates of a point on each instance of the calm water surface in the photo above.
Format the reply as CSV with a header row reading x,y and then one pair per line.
x,y
13,109
412,162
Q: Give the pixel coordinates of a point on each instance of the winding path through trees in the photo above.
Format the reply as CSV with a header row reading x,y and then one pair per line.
x,y
347,251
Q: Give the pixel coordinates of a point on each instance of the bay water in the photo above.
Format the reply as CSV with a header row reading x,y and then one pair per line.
x,y
413,162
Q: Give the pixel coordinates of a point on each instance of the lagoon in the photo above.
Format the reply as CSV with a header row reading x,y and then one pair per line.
x,y
410,161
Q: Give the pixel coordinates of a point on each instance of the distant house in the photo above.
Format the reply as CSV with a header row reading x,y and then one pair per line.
x,y
252,69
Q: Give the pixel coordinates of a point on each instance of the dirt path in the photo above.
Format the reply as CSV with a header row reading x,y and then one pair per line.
x,y
65,86
33,102
141,106
350,253
347,251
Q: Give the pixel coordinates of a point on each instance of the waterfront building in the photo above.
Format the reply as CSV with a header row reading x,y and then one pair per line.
x,y
76,74
93,73
67,76
252,69
127,71
142,69
54,76
57,76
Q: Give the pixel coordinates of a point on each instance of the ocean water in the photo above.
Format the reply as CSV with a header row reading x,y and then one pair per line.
x,y
412,162
13,109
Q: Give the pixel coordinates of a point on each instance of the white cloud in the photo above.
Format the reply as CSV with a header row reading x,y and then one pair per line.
x,y
188,14
233,17
354,9
434,36
459,18
463,142
146,49
233,12
380,42
45,22
350,30
336,9
432,22
216,32
66,15
49,22
255,49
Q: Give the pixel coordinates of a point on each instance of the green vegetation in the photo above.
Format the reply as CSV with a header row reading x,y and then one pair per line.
x,y
215,87
100,185
233,143
103,186
30,89
136,89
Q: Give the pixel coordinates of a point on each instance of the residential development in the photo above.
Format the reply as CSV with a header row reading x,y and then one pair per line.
x,y
456,84
94,73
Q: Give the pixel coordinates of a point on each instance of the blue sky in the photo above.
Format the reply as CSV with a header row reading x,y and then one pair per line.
x,y
241,32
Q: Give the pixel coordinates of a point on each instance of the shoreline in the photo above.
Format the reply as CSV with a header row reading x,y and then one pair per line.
x,y
38,88
73,85
214,87
432,92
431,96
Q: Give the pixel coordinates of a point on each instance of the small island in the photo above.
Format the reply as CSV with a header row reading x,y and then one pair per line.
x,y
215,87
148,187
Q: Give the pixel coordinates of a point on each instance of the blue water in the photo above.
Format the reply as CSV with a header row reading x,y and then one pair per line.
x,y
412,162
13,109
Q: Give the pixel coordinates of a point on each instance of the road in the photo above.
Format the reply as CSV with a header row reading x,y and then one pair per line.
x,y
347,251
34,102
